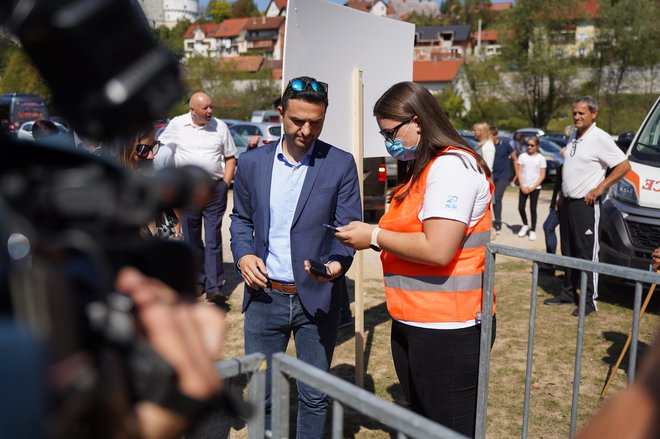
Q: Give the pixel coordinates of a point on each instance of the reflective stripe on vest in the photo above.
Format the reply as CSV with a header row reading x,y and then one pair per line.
x,y
429,293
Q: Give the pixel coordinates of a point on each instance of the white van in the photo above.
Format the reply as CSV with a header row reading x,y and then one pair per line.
x,y
630,217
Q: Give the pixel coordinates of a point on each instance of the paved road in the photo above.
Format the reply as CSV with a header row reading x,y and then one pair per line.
x,y
372,267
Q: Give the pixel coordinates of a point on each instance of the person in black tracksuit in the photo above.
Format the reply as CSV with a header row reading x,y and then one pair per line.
x,y
588,155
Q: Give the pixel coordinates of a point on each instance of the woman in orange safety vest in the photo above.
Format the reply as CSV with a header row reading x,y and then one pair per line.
x,y
433,239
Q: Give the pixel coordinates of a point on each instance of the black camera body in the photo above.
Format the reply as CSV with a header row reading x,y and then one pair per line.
x,y
70,221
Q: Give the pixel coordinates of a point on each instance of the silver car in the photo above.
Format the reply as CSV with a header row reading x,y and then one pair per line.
x,y
269,132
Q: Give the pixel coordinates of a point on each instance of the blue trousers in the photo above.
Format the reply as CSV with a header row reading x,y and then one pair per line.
x,y
209,251
270,319
549,228
500,188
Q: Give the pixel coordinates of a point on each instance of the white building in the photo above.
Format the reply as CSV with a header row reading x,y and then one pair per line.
x,y
168,12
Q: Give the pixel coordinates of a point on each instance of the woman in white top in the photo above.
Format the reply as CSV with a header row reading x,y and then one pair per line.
x,y
485,146
531,173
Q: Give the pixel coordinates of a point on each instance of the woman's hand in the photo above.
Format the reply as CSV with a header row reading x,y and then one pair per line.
x,y
356,235
656,258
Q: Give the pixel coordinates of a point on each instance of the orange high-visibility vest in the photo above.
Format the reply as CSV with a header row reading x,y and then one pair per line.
x,y
429,293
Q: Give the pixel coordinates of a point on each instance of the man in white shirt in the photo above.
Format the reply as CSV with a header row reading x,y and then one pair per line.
x,y
589,153
197,138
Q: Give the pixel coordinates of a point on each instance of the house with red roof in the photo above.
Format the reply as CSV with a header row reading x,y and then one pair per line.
x,y
265,35
374,7
440,75
276,8
231,36
199,40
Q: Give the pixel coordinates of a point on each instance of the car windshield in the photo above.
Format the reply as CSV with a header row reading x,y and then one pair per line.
x,y
550,147
238,140
275,130
647,147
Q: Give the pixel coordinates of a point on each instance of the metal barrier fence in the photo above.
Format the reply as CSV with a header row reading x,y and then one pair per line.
x,y
343,393
405,422
638,276
254,366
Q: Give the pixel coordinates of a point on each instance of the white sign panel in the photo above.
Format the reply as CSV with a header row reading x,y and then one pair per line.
x,y
329,42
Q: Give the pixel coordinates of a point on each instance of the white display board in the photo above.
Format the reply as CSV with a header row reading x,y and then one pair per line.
x,y
329,42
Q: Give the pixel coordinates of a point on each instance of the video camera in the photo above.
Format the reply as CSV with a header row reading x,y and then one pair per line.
x,y
69,220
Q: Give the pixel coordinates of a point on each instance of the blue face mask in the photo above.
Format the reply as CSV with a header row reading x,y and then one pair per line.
x,y
400,152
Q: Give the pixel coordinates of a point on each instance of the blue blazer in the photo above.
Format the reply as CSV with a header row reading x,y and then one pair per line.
x,y
330,194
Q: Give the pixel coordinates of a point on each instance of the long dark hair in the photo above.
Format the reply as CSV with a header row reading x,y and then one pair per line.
x,y
405,100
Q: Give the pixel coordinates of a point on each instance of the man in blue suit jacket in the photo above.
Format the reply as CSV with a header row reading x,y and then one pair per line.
x,y
283,194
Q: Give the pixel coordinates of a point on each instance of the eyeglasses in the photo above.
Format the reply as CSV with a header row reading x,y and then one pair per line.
x,y
299,84
574,146
143,150
389,134
531,144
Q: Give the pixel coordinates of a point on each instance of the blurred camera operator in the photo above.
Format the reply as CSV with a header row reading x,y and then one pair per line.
x,y
187,335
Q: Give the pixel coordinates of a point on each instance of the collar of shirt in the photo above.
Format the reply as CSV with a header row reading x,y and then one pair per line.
x,y
279,155
189,121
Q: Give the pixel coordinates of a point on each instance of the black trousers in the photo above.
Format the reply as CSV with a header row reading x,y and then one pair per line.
x,y
578,226
438,371
533,202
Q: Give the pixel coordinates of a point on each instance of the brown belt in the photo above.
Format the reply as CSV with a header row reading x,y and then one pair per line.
x,y
285,288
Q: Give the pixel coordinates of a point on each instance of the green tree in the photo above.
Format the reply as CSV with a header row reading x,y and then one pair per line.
x,y
244,8
218,10
173,38
452,103
424,20
203,73
629,38
542,80
20,75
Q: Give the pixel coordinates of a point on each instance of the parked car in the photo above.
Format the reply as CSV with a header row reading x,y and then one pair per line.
x,y
374,182
18,108
269,132
260,116
160,122
25,131
552,153
231,122
241,144
392,168
630,213
469,138
529,132
559,138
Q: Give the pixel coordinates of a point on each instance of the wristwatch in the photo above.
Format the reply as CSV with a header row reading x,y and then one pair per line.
x,y
374,239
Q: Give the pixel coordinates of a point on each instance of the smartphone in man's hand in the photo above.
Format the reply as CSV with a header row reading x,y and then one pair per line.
x,y
319,269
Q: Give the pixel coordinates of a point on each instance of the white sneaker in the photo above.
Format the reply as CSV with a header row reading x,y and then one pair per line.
x,y
523,231
532,235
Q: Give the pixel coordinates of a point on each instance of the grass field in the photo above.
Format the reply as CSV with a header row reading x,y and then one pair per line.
x,y
554,355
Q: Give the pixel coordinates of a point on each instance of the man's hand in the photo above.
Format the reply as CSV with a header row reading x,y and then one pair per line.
x,y
334,269
253,271
656,258
593,195
187,336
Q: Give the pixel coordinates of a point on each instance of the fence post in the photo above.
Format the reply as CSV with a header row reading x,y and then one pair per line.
x,y
530,347
257,397
485,343
280,399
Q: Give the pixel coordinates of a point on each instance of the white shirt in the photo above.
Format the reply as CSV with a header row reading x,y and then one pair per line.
x,y
586,161
531,168
446,198
206,146
487,151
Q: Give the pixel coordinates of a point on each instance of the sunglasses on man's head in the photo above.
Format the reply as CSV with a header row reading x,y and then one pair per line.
x,y
143,150
299,84
389,134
